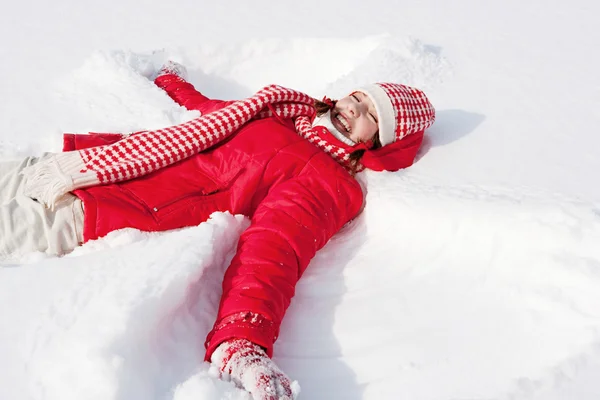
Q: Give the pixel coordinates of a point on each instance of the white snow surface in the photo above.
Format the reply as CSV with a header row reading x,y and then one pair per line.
x,y
472,275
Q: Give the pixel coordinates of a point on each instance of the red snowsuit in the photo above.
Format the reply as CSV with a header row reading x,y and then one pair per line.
x,y
296,195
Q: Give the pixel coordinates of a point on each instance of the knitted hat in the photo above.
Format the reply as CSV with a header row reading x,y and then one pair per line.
x,y
401,110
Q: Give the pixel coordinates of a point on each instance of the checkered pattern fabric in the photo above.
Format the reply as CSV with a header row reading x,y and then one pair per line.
x,y
148,151
413,111
407,111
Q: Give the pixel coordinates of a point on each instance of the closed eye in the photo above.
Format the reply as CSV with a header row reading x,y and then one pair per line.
x,y
371,115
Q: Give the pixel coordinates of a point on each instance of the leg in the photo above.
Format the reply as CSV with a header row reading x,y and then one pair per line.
x,y
8,170
27,226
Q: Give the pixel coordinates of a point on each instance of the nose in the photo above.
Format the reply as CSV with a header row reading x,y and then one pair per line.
x,y
356,109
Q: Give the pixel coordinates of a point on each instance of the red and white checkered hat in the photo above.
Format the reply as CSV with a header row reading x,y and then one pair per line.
x,y
401,110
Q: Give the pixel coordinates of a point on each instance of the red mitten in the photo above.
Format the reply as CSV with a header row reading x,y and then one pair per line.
x,y
248,366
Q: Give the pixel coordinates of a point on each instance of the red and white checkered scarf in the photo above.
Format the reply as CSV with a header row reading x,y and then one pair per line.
x,y
144,152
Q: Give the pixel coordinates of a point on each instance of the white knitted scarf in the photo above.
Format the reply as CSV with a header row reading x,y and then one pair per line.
x,y
144,152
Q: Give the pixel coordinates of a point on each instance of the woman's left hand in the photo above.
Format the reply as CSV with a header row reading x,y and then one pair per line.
x,y
248,366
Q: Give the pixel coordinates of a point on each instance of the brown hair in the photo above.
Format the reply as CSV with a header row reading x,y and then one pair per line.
x,y
322,107
356,155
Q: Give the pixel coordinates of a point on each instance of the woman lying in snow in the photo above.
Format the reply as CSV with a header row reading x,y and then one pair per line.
x,y
280,157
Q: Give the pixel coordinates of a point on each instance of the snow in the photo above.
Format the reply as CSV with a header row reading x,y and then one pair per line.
x,y
473,275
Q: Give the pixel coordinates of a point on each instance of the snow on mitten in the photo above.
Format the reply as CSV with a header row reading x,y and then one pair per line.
x,y
248,366
172,68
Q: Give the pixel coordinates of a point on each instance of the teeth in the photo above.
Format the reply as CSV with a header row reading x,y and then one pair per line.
x,y
343,122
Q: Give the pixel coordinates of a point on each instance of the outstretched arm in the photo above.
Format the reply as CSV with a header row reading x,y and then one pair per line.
x,y
172,79
296,219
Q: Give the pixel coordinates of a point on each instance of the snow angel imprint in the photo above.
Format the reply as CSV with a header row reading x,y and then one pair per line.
x,y
280,157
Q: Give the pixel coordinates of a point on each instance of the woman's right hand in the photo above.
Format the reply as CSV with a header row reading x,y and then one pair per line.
x,y
248,366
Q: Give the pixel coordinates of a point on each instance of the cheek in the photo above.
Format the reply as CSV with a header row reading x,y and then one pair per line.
x,y
364,135
366,130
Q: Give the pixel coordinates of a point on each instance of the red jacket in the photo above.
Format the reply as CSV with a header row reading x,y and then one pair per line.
x,y
296,195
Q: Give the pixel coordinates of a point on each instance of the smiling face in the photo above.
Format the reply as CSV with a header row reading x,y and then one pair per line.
x,y
355,117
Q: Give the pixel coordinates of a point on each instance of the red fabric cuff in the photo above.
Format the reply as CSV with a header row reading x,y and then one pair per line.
x,y
68,142
163,81
244,325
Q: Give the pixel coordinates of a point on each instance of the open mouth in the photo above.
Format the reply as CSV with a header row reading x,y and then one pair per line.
x,y
341,124
341,128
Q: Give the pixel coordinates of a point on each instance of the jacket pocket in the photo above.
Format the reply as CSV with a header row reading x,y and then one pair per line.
x,y
210,189
190,206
